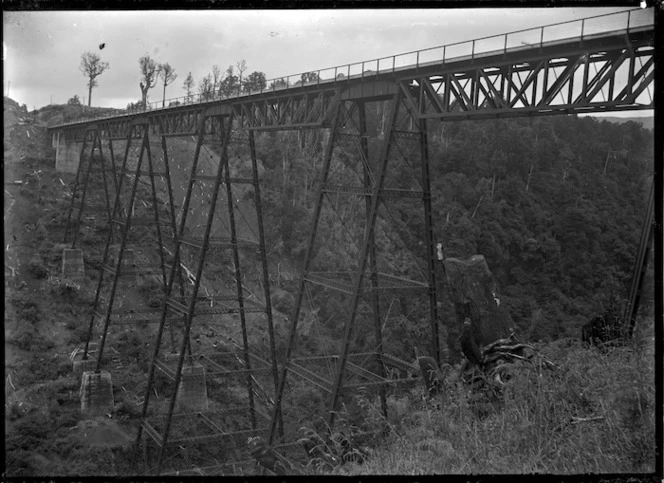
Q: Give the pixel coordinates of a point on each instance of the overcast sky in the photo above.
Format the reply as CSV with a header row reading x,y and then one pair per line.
x,y
42,50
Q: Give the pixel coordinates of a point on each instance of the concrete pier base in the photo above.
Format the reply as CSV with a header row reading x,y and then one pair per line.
x,y
67,155
192,393
80,366
72,264
128,267
96,393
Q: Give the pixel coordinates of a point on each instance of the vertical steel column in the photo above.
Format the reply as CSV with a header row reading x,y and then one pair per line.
x,y
429,239
109,239
307,261
113,170
123,244
224,166
103,173
85,187
359,279
171,279
77,182
174,229
373,276
264,268
199,270
155,205
640,264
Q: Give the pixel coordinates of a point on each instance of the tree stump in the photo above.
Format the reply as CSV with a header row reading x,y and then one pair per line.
x,y
475,295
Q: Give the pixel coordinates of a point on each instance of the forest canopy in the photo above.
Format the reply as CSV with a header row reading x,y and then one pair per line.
x,y
555,204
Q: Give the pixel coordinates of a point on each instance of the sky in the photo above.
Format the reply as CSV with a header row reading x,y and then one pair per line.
x,y
42,50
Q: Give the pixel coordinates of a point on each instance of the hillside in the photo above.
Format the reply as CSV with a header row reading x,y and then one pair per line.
x,y
555,205
647,122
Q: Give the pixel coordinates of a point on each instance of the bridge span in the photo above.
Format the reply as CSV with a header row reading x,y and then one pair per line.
x,y
597,64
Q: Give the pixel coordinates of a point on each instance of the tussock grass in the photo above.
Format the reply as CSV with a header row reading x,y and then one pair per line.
x,y
593,414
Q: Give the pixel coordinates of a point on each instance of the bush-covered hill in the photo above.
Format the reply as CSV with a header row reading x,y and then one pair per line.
x,y
62,113
555,204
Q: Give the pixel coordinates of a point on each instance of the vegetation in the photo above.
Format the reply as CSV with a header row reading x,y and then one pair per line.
x,y
594,412
149,76
188,85
167,75
555,205
92,67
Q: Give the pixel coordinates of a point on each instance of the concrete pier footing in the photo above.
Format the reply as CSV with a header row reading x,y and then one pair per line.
x,y
128,267
72,264
192,393
67,154
83,365
96,393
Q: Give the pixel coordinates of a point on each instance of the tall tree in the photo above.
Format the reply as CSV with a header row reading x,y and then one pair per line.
x,y
241,67
167,75
205,88
309,77
188,85
255,82
278,84
92,67
216,78
229,85
150,74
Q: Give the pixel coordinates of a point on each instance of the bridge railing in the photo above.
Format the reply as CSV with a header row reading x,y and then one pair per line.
x,y
537,37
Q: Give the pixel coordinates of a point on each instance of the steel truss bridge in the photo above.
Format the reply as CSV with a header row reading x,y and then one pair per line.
x,y
597,64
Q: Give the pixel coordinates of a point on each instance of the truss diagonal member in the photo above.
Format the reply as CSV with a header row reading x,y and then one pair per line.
x,y
224,165
123,244
371,225
627,93
116,209
496,97
433,96
325,171
174,268
197,280
605,73
530,78
77,187
565,75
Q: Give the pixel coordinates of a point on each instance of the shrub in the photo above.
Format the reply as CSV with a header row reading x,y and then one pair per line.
x,y
24,337
74,101
37,268
63,288
22,301
282,301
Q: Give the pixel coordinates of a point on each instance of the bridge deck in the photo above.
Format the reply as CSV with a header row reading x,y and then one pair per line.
x,y
633,27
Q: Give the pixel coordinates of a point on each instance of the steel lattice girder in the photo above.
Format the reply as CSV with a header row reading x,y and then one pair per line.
x,y
304,110
589,77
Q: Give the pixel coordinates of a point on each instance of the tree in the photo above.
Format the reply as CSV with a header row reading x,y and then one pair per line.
x,y
278,84
254,82
229,85
167,75
92,67
205,88
150,74
188,85
216,78
74,101
309,77
241,67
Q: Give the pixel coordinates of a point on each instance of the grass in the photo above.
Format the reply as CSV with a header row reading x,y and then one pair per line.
x,y
593,414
